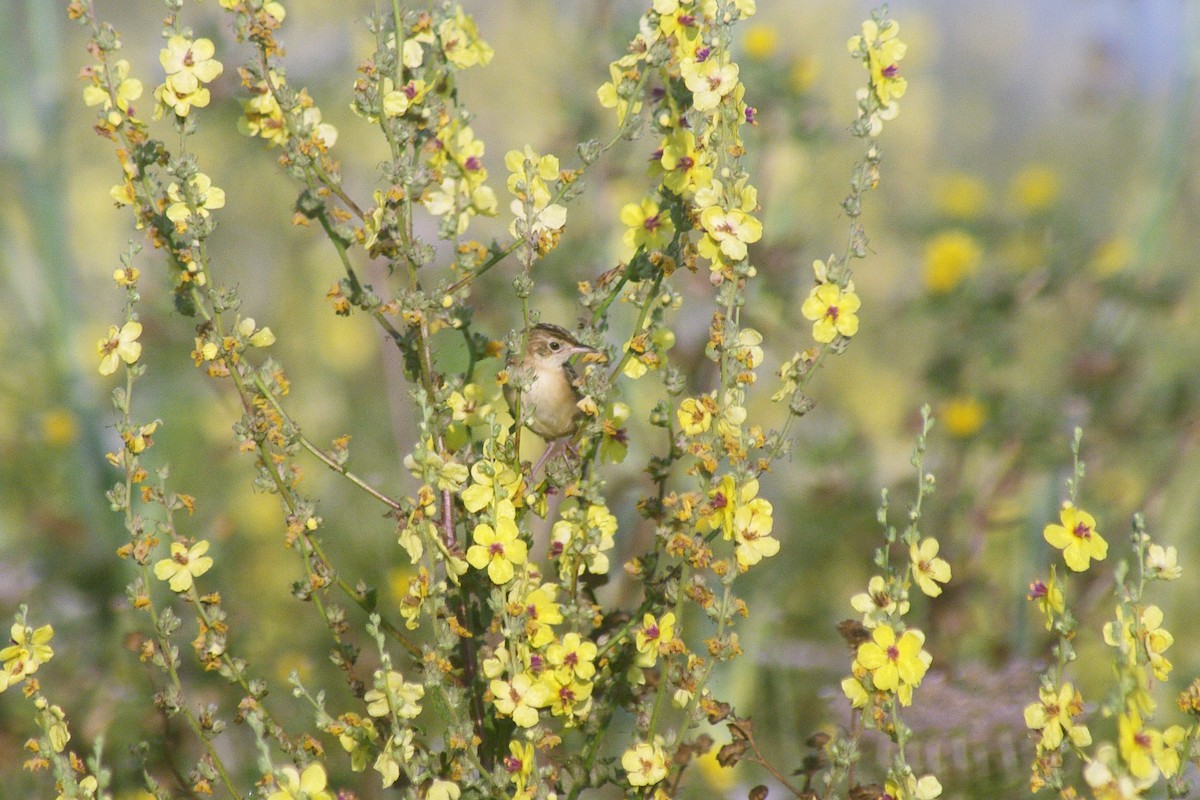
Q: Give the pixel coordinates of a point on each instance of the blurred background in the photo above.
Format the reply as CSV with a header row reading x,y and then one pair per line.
x,y
1032,269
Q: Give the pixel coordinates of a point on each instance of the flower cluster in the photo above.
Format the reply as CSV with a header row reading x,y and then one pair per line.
x,y
1143,754
534,181
683,44
890,659
189,65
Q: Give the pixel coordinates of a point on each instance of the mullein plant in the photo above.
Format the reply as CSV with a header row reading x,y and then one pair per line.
x,y
498,675
1146,760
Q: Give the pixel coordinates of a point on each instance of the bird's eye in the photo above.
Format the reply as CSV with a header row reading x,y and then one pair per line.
x,y
555,345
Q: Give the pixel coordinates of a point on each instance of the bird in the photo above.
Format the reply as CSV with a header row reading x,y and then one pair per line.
x,y
551,399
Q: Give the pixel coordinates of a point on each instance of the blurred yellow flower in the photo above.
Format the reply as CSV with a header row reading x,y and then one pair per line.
x,y
59,427
761,41
960,195
963,416
804,73
461,43
1035,188
881,50
1112,256
949,257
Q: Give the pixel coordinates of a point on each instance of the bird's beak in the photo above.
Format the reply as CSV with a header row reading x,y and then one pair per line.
x,y
577,349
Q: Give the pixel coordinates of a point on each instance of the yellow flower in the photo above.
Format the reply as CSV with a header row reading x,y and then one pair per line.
x,y
540,613
443,790
896,664
567,696
855,692
749,351
709,81
120,345
188,64
184,565
1163,563
723,503
180,104
201,192
397,697
1140,746
1077,538
928,570
609,96
125,88
1049,597
652,636
686,166
645,764
647,226
574,656
520,698
881,52
29,650
497,549
295,785
1053,717
752,524
696,414
832,311
254,335
519,765
949,257
877,603
911,788
1157,639
1035,188
461,43
397,101
728,232
493,480
963,416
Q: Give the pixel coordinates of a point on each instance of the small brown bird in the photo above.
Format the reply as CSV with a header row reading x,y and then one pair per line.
x,y
551,398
